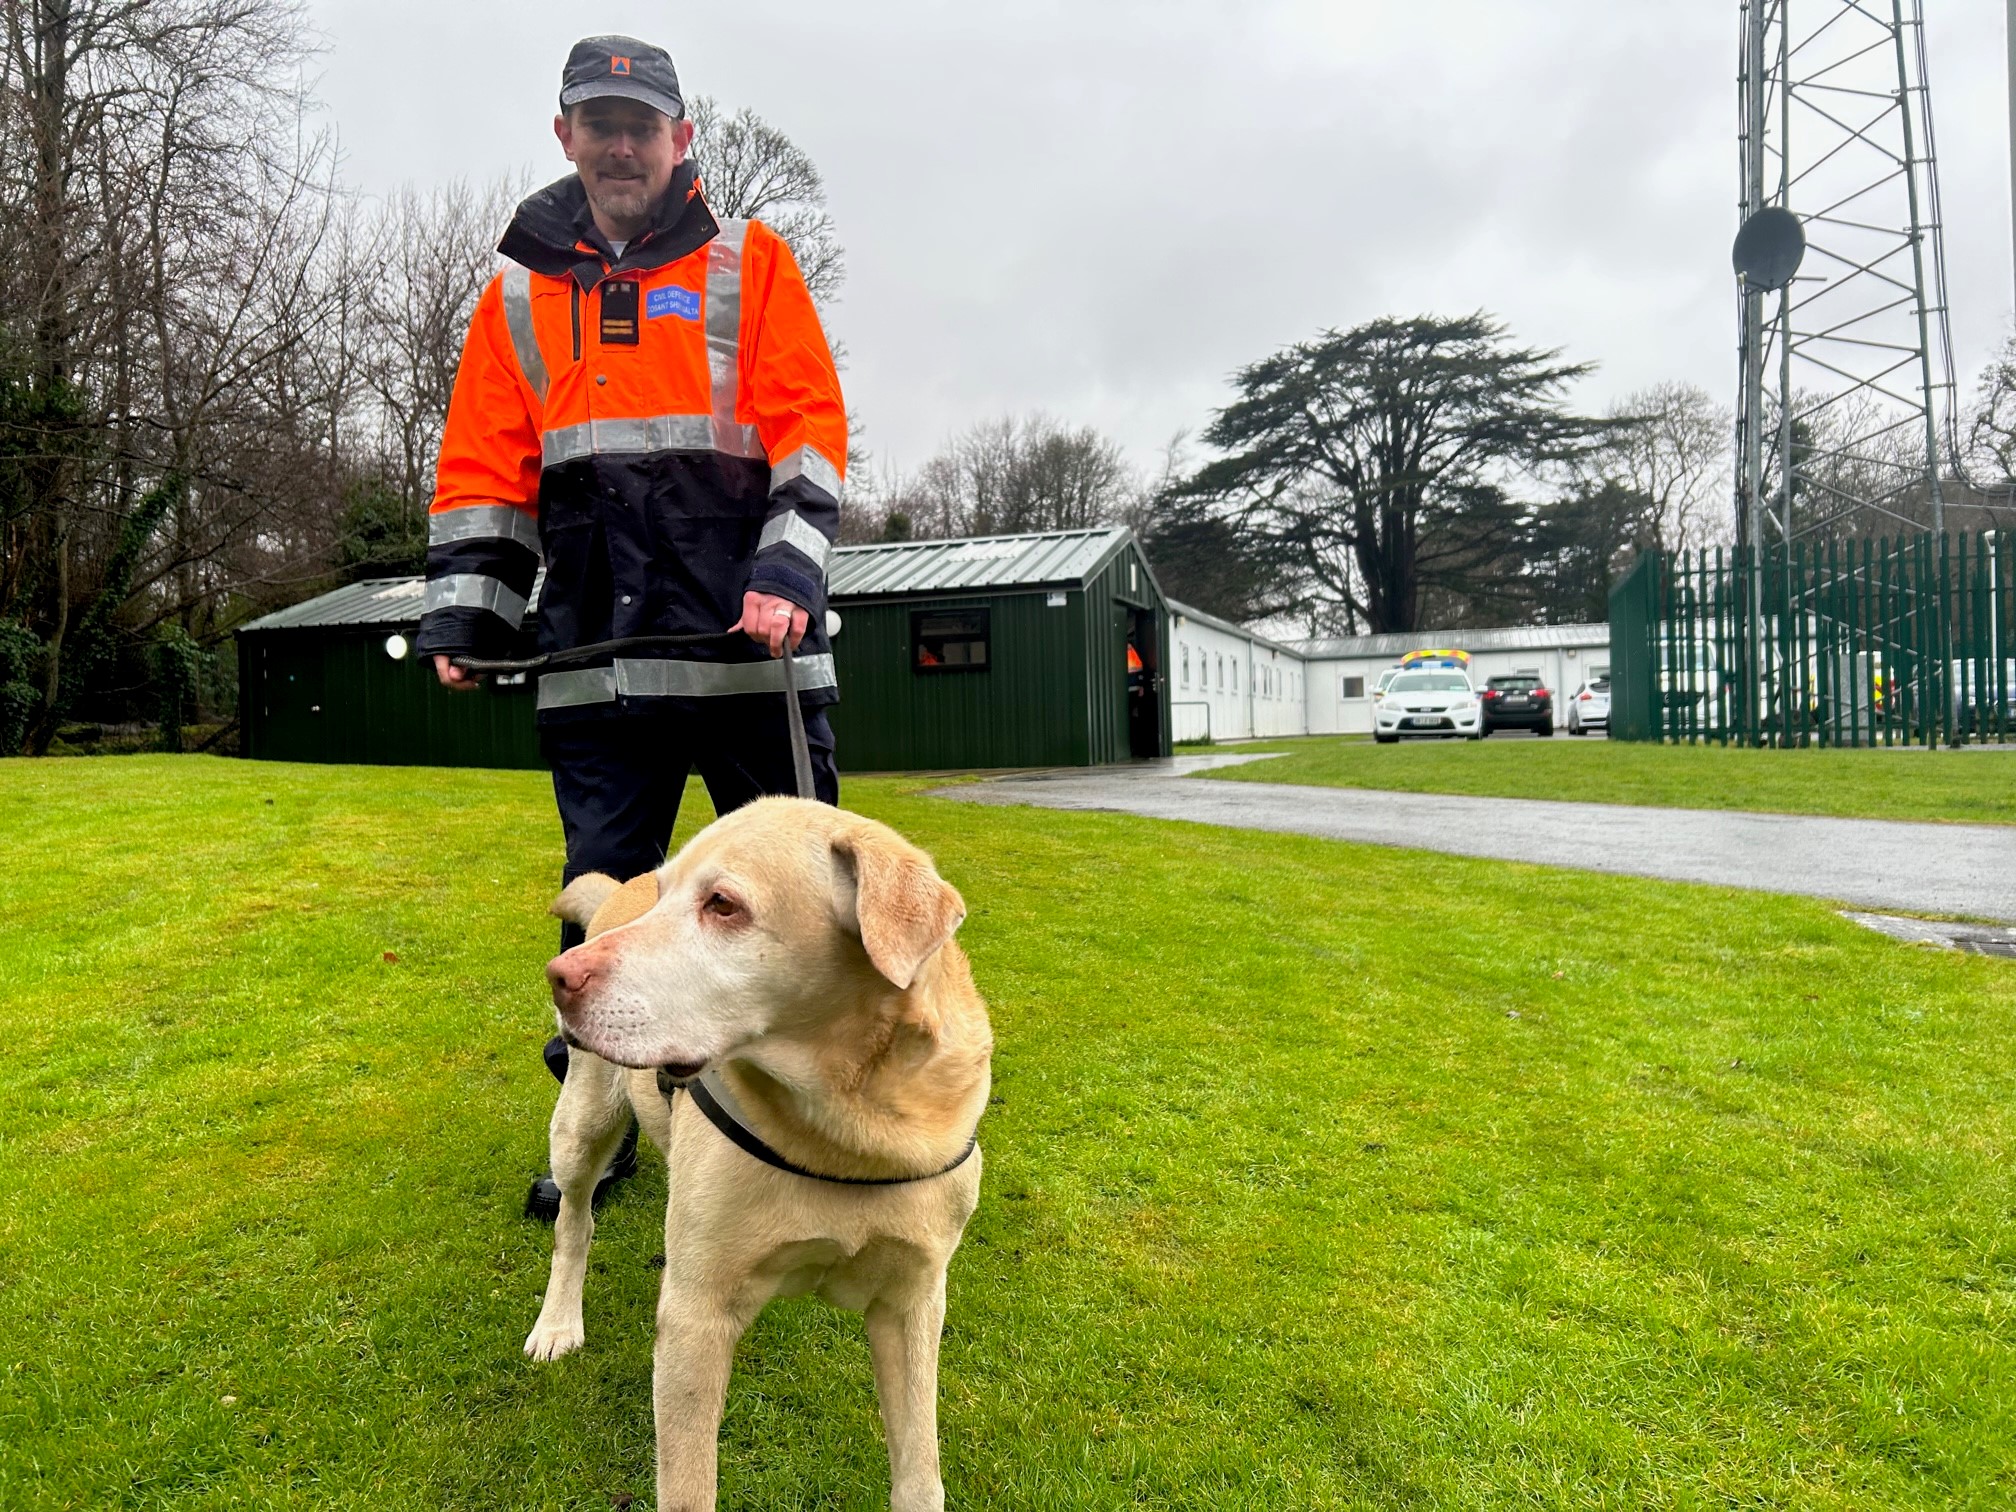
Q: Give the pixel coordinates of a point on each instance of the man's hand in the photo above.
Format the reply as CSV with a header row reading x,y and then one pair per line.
x,y
454,677
767,619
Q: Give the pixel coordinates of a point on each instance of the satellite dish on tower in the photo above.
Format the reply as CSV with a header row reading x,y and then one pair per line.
x,y
1769,248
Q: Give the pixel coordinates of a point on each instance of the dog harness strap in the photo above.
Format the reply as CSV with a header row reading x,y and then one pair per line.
x,y
750,1142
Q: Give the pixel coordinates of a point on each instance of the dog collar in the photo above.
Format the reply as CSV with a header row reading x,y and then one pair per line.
x,y
713,1098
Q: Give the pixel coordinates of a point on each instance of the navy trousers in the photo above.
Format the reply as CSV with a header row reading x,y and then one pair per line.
x,y
618,781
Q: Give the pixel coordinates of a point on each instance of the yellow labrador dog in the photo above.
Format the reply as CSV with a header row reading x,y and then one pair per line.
x,y
793,969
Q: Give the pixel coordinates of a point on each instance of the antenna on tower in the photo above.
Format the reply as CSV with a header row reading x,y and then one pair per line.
x,y
1844,359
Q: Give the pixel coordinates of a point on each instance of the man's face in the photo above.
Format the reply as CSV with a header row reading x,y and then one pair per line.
x,y
625,153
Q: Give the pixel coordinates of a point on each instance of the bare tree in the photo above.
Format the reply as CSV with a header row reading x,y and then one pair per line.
x,y
164,212
432,259
1009,476
1989,450
752,170
1671,447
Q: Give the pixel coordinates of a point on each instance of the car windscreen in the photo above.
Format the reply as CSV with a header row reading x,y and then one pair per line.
x,y
1515,684
1601,685
1431,682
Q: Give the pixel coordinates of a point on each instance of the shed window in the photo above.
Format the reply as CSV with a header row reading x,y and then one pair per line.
x,y
1186,666
950,640
1235,677
1354,687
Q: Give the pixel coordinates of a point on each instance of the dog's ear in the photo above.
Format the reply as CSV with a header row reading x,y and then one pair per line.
x,y
888,892
632,900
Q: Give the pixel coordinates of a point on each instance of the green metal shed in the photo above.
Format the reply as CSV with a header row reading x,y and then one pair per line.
x,y
315,683
991,651
999,651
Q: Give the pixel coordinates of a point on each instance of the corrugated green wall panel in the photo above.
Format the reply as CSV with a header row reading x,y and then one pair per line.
x,y
327,696
1055,693
1019,712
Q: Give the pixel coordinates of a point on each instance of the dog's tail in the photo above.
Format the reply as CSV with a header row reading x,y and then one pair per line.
x,y
582,897
597,902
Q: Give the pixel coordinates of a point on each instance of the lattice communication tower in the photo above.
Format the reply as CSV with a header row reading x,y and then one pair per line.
x,y
1847,367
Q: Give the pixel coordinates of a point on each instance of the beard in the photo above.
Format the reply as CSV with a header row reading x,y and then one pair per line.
x,y
624,200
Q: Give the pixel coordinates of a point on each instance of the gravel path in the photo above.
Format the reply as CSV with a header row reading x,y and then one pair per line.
x,y
1967,869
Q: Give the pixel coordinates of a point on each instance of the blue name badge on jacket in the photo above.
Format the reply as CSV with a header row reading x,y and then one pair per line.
x,y
685,303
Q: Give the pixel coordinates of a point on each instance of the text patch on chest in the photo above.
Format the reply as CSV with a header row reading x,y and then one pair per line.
x,y
685,303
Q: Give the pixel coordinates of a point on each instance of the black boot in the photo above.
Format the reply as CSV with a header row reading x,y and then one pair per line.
x,y
542,1201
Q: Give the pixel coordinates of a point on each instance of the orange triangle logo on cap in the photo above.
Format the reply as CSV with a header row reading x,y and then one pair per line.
x,y
619,65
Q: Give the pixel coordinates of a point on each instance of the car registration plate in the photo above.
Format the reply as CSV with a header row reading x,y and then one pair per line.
x,y
1426,721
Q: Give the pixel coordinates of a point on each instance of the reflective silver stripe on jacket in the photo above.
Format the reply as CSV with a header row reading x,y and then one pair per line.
x,y
808,464
635,677
655,678
482,522
518,317
724,339
591,685
473,590
652,433
790,528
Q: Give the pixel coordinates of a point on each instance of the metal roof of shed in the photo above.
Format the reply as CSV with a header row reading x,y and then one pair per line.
x,y
1049,559
373,602
1514,638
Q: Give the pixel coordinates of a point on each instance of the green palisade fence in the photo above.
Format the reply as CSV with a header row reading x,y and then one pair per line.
x,y
1910,641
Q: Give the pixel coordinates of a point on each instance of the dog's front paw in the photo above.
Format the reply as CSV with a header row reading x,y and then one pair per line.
x,y
549,1341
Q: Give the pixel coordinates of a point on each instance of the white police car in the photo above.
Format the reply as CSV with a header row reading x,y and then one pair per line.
x,y
1428,701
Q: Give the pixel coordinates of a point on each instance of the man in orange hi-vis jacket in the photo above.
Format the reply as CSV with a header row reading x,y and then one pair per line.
x,y
647,403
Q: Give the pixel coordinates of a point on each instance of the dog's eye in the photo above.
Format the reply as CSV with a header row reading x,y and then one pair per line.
x,y
721,906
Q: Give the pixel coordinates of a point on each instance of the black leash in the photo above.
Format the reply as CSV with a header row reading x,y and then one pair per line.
x,y
801,752
750,1142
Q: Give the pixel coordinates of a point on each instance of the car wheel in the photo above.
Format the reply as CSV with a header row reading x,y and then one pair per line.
x,y
1385,739
1544,731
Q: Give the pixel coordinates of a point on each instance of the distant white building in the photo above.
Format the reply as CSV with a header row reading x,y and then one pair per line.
x,y
1233,684
1229,683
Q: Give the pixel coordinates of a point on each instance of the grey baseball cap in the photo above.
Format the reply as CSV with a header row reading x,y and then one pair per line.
x,y
598,67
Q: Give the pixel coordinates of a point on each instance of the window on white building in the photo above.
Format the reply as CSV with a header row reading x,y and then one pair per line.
x,y
1186,666
1235,677
1354,687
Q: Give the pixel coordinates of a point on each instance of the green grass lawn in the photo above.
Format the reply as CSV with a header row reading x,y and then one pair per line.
x,y
1976,787
1321,1176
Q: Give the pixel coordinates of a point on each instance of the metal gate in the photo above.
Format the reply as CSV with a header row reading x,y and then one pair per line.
x,y
1865,642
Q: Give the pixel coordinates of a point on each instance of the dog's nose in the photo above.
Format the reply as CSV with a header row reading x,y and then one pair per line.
x,y
570,979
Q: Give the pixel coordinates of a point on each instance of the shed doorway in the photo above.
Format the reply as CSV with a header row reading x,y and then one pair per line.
x,y
1144,685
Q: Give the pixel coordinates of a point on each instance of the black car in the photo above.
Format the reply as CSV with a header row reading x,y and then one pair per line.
x,y
1518,703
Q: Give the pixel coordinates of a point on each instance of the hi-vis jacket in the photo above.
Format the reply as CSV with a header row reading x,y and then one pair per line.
x,y
664,429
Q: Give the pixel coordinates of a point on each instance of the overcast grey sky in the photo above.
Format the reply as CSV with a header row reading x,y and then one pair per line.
x,y
1101,208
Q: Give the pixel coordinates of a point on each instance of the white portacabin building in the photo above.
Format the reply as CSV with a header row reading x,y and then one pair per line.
x,y
1235,684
